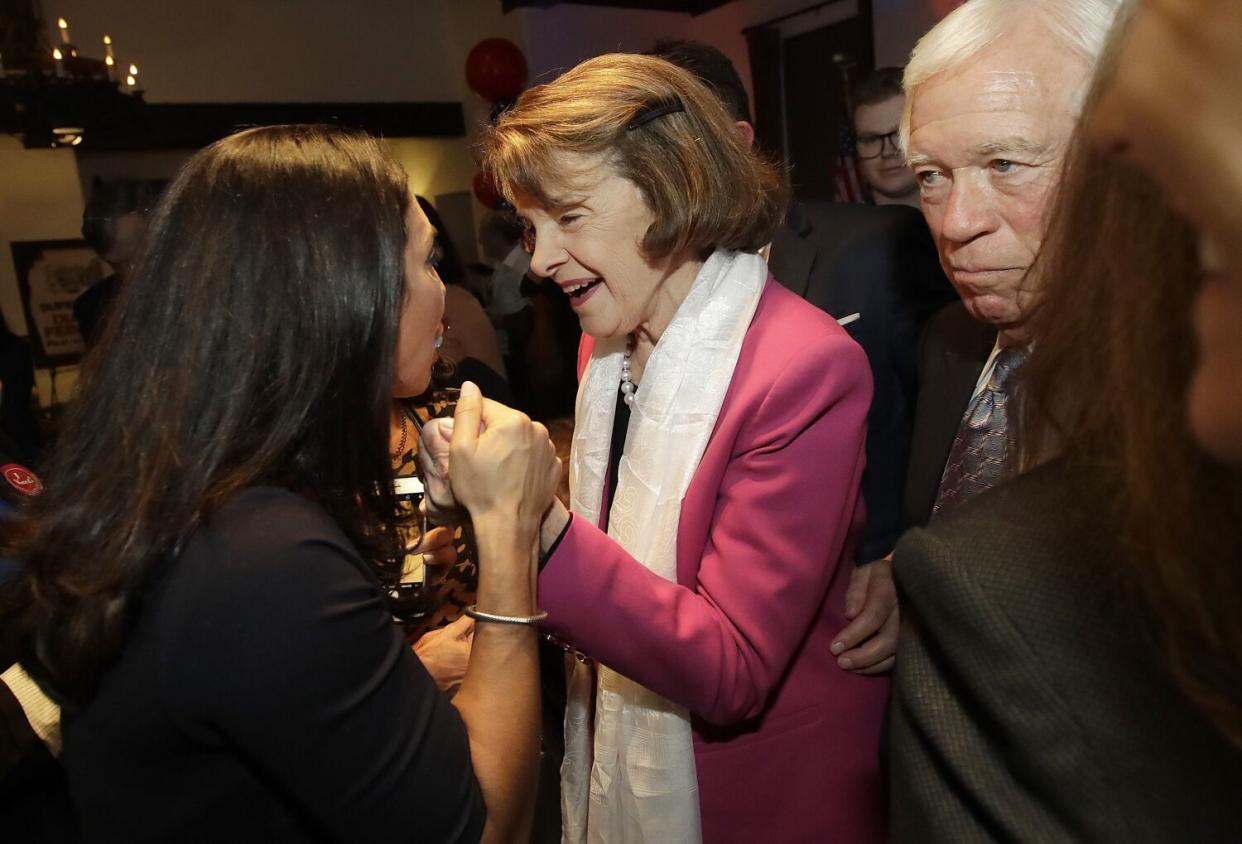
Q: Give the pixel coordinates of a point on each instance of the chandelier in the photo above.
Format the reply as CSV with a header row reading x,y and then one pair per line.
x,y
51,93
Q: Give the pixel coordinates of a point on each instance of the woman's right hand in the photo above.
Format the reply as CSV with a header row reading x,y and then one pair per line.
x,y
502,464
503,469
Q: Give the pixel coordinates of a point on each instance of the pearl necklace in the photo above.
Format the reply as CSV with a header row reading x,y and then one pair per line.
x,y
627,386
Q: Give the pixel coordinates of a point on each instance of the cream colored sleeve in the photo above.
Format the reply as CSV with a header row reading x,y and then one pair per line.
x,y
43,714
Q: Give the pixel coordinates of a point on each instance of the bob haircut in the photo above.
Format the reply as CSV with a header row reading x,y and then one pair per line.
x,y
253,345
655,125
1081,26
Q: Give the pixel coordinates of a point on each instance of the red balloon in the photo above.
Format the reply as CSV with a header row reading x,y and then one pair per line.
x,y
496,69
485,190
943,7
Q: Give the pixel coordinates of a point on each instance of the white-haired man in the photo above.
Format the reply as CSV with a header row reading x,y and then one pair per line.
x,y
977,754
993,93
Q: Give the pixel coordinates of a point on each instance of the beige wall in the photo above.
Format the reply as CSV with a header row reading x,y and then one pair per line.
x,y
40,199
291,50
297,50
434,166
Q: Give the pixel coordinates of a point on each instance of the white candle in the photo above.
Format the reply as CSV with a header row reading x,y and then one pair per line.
x,y
111,63
64,30
130,82
60,62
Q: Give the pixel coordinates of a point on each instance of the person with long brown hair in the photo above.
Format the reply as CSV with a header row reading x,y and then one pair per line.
x,y
1068,664
1176,108
203,581
1179,53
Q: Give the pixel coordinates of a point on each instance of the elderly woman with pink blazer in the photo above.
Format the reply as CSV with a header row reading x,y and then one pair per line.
x,y
717,453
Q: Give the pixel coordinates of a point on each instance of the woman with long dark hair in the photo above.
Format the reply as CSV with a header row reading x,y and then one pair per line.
x,y
203,584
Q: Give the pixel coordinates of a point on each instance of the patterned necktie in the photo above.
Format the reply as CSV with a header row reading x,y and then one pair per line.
x,y
977,459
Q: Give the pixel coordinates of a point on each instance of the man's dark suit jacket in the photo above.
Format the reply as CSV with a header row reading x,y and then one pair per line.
x,y
952,352
1029,701
878,262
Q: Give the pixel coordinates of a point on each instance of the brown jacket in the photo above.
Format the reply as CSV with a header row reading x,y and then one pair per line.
x,y
1029,703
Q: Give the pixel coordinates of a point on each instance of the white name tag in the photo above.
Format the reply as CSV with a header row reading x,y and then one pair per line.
x,y
407,486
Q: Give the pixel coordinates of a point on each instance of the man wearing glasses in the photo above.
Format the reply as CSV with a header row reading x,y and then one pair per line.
x,y
878,103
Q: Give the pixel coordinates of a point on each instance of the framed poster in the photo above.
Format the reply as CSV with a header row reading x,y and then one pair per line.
x,y
50,275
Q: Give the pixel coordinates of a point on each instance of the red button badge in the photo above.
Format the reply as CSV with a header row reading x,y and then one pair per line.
x,y
21,479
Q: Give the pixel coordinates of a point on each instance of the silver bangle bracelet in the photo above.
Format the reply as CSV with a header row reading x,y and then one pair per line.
x,y
505,619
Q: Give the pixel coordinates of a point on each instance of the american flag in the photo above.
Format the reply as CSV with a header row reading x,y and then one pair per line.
x,y
851,187
850,184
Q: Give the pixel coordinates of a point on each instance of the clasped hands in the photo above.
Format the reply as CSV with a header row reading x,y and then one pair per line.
x,y
502,463
504,472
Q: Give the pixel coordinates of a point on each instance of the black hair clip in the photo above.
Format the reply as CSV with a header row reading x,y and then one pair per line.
x,y
650,112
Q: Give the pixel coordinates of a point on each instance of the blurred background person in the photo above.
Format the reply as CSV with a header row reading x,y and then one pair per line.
x,y
114,224
258,489
549,358
1068,668
1177,54
469,345
500,236
538,329
730,522
878,103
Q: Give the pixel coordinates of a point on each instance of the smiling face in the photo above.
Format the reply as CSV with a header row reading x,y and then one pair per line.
x,y
422,307
589,241
987,142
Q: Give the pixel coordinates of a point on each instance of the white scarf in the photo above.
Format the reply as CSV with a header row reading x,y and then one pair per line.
x,y
636,781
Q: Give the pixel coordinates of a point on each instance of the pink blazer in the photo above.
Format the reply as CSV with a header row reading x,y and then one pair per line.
x,y
786,743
